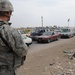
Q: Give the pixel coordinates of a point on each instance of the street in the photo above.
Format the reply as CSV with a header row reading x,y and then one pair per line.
x,y
35,47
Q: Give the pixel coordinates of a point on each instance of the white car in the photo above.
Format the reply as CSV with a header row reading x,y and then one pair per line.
x,y
26,40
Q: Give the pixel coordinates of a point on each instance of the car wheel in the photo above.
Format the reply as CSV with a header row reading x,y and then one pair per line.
x,y
39,41
27,44
49,40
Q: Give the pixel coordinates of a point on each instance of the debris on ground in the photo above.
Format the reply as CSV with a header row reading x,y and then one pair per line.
x,y
59,69
70,54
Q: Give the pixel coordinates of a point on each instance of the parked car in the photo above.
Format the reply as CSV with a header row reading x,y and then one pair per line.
x,y
26,40
47,37
58,32
37,32
66,33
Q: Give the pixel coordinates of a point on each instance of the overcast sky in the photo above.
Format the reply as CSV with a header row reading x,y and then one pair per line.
x,y
27,13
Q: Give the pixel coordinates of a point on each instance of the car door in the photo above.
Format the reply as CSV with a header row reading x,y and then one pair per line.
x,y
54,36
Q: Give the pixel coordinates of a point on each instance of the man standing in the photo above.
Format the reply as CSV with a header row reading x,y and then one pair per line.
x,y
12,49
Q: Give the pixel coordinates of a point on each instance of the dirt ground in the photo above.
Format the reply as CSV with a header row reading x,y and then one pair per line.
x,y
55,60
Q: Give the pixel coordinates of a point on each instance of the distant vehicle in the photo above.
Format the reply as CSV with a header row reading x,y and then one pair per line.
x,y
66,33
58,32
26,40
38,32
47,37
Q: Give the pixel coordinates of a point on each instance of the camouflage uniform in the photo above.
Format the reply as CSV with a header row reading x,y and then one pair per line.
x,y
12,49
10,58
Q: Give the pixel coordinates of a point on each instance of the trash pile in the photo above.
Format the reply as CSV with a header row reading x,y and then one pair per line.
x,y
70,54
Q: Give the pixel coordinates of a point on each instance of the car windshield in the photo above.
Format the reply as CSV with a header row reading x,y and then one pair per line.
x,y
65,30
24,37
47,33
22,32
57,31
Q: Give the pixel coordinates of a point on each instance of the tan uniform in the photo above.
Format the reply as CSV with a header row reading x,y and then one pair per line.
x,y
13,56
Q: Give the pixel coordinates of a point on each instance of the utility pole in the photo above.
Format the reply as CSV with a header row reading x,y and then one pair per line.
x,y
68,22
74,22
42,20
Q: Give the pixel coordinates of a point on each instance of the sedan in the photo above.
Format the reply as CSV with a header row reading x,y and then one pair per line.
x,y
47,37
26,40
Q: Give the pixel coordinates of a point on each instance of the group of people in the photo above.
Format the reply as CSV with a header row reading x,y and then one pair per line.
x,y
12,49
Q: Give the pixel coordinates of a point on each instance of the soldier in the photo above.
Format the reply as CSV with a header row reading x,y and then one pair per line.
x,y
12,49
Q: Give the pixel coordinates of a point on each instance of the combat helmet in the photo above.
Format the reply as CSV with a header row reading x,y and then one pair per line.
x,y
5,5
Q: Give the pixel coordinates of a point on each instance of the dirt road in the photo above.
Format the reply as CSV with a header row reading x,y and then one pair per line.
x,y
35,47
50,59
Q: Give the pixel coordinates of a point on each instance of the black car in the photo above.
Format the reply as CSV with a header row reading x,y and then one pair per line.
x,y
38,32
